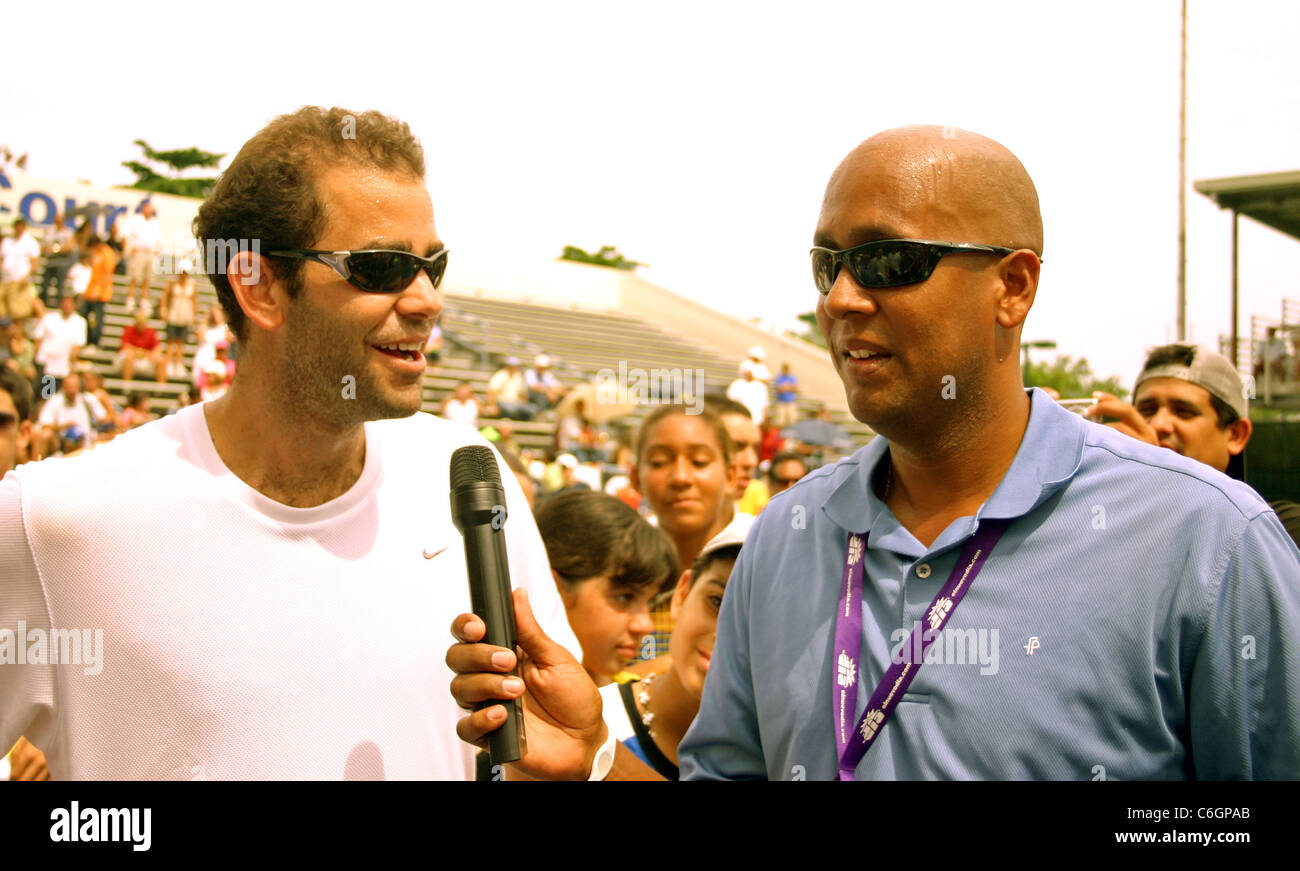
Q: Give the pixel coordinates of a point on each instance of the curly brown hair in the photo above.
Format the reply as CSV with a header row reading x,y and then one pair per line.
x,y
268,192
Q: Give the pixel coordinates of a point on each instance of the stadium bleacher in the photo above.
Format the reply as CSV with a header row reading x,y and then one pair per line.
x,y
479,333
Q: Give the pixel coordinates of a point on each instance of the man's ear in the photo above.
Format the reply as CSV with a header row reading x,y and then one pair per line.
x,y
679,595
257,289
24,437
1018,273
1238,434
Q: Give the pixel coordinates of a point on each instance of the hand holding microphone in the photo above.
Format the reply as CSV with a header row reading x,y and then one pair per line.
x,y
552,690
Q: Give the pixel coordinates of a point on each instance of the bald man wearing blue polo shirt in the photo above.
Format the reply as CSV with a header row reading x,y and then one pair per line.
x,y
995,588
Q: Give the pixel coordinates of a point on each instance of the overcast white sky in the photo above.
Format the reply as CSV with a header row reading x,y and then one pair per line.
x,y
697,137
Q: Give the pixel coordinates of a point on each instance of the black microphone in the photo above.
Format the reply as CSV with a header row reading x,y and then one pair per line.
x,y
478,508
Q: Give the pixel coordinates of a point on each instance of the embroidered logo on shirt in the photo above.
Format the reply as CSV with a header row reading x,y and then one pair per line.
x,y
1033,645
848,671
428,555
870,723
938,612
855,549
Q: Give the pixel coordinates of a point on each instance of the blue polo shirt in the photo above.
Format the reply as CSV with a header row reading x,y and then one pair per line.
x,y
1140,619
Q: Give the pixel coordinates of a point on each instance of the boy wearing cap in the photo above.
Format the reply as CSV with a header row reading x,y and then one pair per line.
x,y
1192,401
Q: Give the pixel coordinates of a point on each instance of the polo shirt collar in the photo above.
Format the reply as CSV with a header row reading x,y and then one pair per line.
x,y
1048,457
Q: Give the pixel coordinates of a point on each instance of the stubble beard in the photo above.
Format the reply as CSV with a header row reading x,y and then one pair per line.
x,y
333,382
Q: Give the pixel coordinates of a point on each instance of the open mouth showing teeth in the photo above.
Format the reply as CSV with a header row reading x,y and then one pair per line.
x,y
865,355
409,351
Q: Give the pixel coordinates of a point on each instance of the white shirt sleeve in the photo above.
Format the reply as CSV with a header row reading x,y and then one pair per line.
x,y
26,690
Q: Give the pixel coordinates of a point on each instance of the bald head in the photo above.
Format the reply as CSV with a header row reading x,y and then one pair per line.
x,y
943,184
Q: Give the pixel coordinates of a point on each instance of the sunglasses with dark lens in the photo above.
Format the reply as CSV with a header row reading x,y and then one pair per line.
x,y
376,270
889,262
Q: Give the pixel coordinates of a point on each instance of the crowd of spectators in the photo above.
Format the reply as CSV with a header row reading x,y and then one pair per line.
x,y
46,331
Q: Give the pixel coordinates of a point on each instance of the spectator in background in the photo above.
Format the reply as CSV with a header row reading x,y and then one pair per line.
x,y
60,255
78,279
1193,402
748,492
650,716
754,365
215,378
787,469
769,440
60,336
92,383
212,330
608,563
141,340
787,392
179,308
136,412
70,409
19,255
17,352
433,348
568,464
507,393
544,389
505,439
118,244
142,240
751,393
683,470
1271,356
461,406
99,289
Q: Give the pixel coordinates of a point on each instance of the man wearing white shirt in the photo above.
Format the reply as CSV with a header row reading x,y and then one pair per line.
x,y
142,236
751,393
69,408
19,255
282,579
60,336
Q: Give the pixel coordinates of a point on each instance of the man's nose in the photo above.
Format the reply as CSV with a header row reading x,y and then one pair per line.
x,y
420,299
846,296
1162,421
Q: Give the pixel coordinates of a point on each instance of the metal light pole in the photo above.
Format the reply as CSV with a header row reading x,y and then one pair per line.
x,y
1182,189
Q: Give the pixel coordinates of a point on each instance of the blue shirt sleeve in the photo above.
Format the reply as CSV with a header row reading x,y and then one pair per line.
x,y
1244,696
723,743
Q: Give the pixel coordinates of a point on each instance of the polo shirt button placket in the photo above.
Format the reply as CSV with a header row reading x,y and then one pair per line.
x,y
923,571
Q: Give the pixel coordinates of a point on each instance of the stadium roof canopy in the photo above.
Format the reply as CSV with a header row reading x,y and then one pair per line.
x,y
1272,198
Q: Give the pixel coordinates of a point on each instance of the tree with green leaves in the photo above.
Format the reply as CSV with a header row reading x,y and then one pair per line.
x,y
1072,378
176,161
607,256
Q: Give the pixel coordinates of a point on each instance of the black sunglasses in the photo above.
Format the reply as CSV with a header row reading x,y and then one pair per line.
x,y
889,262
377,270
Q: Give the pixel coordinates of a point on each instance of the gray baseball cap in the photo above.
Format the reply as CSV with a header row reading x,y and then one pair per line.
x,y
1209,370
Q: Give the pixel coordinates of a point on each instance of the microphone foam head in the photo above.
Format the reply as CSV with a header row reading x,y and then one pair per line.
x,y
474,464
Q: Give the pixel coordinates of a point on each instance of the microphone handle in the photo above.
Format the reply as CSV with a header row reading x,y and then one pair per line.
x,y
489,590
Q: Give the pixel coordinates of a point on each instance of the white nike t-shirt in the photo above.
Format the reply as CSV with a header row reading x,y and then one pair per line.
x,y
242,638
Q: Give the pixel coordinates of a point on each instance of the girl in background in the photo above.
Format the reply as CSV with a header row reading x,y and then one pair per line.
x,y
608,563
683,470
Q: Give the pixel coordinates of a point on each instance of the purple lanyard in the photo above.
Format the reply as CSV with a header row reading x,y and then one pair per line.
x,y
853,745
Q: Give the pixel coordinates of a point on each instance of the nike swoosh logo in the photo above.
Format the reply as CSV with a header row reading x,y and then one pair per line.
x,y
428,555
